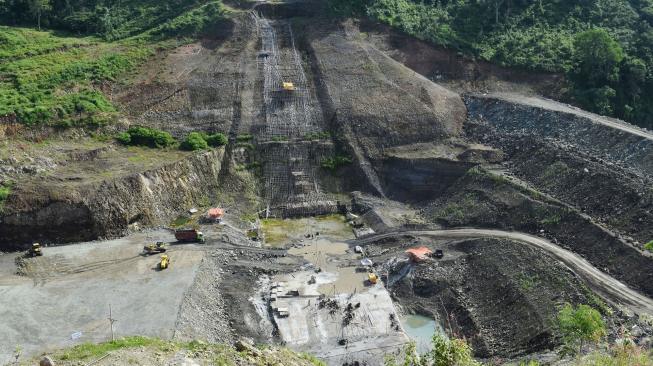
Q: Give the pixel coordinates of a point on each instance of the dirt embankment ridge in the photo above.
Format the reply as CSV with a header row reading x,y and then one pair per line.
x,y
107,206
613,140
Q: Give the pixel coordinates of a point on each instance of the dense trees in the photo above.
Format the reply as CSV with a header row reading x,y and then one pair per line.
x,y
110,19
604,46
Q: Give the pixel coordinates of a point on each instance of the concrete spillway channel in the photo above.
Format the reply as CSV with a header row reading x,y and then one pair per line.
x,y
291,159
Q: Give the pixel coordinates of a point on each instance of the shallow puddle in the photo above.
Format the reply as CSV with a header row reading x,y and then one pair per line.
x,y
421,330
280,232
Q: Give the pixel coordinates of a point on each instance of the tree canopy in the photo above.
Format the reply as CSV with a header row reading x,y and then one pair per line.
x,y
604,46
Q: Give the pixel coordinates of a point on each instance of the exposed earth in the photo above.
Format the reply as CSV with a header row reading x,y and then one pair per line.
x,y
385,144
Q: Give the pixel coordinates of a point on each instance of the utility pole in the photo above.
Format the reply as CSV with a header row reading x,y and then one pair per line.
x,y
111,321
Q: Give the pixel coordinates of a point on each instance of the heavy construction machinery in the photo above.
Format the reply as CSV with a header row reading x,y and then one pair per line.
x,y
159,247
288,86
189,235
35,250
373,278
165,262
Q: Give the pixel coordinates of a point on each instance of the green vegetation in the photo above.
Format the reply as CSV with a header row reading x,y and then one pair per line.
x,y
216,139
244,138
649,246
528,282
551,220
334,163
445,352
48,78
145,136
314,136
194,141
5,190
138,350
181,221
579,325
112,20
89,350
605,47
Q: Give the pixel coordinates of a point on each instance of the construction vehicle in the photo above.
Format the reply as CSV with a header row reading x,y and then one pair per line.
x,y
35,250
438,254
215,215
373,278
165,262
288,86
189,236
159,247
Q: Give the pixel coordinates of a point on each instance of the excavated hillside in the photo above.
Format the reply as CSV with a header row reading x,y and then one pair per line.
x,y
552,204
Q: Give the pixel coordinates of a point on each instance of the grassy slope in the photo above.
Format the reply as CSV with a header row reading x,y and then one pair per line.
x,y
46,78
142,350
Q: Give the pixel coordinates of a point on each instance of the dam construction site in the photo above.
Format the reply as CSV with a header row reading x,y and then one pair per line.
x,y
373,191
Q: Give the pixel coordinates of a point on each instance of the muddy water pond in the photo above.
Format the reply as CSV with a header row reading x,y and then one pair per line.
x,y
421,329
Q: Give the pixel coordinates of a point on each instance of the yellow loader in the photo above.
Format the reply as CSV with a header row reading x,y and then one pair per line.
x,y
165,262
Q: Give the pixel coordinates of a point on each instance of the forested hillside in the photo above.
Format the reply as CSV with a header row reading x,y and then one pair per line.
x,y
54,75
604,46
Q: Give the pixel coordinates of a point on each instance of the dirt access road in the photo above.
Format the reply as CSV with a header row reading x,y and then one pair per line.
x,y
69,289
608,287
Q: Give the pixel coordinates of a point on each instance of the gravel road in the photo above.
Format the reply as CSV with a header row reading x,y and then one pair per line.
x,y
608,287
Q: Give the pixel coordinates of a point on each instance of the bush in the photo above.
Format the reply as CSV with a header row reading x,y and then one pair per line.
x,y
335,162
194,141
4,192
580,324
145,136
445,352
649,246
216,140
244,138
124,138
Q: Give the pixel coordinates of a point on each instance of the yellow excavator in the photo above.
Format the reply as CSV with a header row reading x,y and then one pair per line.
x,y
159,247
373,278
35,250
288,86
165,262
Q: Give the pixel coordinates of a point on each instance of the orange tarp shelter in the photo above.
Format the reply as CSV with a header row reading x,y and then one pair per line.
x,y
216,213
419,254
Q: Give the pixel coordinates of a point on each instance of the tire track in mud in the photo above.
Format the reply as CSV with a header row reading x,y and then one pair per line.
x,y
611,289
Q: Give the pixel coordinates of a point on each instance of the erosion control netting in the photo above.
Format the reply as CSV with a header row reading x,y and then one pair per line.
x,y
291,162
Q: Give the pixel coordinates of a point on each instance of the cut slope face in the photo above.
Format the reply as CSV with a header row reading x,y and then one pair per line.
x,y
379,100
372,102
607,138
291,113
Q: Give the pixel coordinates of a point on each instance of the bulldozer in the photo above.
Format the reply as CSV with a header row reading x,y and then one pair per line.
x,y
159,247
165,262
35,250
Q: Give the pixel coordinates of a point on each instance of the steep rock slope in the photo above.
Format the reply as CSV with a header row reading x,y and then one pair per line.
x,y
373,102
60,211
